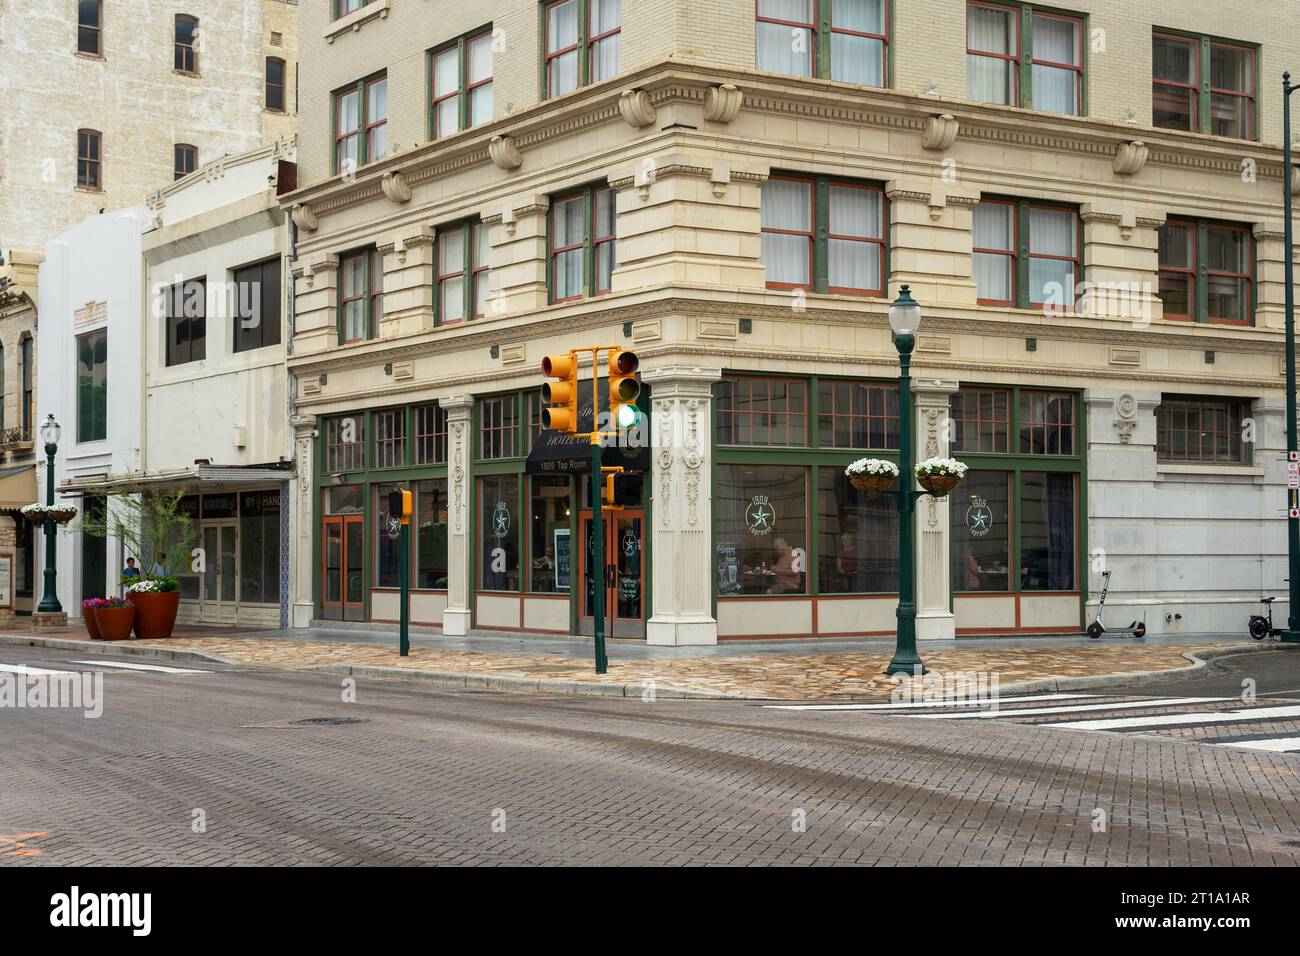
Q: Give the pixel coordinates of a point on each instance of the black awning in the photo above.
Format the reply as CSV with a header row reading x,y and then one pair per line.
x,y
555,453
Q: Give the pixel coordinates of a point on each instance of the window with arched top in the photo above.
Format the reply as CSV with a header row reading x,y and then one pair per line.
x,y
185,159
187,44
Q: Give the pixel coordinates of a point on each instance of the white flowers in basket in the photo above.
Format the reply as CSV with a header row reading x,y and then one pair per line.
x,y
941,466
35,509
144,586
871,466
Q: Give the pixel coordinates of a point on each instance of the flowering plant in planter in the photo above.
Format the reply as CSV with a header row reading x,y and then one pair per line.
x,y
91,604
156,602
113,618
36,512
153,586
62,513
872,475
939,476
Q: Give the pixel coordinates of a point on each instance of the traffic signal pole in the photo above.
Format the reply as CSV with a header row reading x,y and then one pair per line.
x,y
598,554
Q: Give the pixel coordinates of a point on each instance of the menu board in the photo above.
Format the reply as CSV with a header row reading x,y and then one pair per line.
x,y
563,559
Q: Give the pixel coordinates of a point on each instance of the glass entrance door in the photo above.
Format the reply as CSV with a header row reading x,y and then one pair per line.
x,y
624,584
220,572
343,572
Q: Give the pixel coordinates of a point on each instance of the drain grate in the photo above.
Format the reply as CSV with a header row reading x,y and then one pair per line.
x,y
329,721
1291,843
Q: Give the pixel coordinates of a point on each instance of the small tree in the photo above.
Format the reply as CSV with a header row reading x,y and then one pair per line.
x,y
149,524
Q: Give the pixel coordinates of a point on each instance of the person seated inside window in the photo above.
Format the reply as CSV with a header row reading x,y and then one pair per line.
x,y
787,580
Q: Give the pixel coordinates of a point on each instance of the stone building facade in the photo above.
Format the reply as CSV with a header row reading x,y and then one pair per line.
x,y
1085,200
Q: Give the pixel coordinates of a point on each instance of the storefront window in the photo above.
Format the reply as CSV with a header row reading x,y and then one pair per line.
x,y
387,531
981,532
857,544
762,522
344,500
549,551
762,411
982,420
431,534
259,547
498,427
857,414
390,438
498,534
182,570
1047,520
345,443
1046,423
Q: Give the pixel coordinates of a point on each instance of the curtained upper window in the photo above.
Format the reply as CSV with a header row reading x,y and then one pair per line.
x,y
1182,99
997,71
823,234
844,40
1050,273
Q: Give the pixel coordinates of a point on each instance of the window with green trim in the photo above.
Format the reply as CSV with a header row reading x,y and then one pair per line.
x,y
823,234
582,243
1025,55
1192,429
343,7
846,40
430,434
581,40
462,272
498,427
361,295
1185,96
1026,254
360,123
345,443
1207,271
390,438
762,411
461,88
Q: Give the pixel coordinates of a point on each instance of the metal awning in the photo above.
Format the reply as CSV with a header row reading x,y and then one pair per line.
x,y
17,486
185,478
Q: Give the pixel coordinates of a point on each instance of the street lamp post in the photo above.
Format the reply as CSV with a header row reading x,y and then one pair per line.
x,y
50,432
905,320
1292,632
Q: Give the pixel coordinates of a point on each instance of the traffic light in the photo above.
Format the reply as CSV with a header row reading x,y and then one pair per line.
x,y
399,503
622,488
623,389
560,398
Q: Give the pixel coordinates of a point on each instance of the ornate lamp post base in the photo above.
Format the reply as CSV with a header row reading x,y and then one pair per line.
x,y
49,619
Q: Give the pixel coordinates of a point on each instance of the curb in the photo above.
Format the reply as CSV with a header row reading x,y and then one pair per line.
x,y
1199,661
126,648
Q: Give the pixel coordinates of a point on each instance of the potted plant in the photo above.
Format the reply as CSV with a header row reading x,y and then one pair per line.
x,y
61,513
88,609
36,513
939,476
114,618
156,602
872,475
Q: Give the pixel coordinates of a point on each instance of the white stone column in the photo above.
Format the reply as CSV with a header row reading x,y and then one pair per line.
x,y
303,566
456,618
682,495
934,618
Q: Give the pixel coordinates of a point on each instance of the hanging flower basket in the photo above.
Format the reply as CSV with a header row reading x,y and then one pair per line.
x,y
939,476
872,476
36,513
62,513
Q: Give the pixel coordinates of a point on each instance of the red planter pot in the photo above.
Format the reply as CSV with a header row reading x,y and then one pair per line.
x,y
115,622
155,613
92,628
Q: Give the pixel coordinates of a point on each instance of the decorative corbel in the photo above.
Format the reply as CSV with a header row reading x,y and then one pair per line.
x,y
508,220
720,178
505,154
940,132
396,188
304,218
722,103
1127,223
636,108
938,200
1130,158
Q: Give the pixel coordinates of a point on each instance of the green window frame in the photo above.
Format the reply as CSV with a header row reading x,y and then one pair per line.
x,y
343,7
472,95
594,253
367,141
369,293
834,47
824,234
500,428
92,386
461,272
1023,252
593,49
1193,271
1197,89
1021,62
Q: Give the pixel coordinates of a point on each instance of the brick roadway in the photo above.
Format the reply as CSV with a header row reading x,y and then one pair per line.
x,y
851,674
575,780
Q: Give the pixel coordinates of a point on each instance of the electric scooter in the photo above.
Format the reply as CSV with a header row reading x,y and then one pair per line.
x,y
1095,629
1260,626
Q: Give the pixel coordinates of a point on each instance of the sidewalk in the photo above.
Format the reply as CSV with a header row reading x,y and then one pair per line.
x,y
795,670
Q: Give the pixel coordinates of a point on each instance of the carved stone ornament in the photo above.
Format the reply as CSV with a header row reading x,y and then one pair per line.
x,y
1130,158
1126,408
396,188
940,132
304,218
722,103
505,154
636,108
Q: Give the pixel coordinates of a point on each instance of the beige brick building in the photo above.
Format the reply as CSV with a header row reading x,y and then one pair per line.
x,y
1085,199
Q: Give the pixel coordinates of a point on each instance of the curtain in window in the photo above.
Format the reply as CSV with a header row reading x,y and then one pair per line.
x,y
354,289
787,205
854,264
604,53
349,118
480,278
605,252
561,32
1056,89
480,69
451,259
377,112
990,79
446,85
856,59
569,230
782,48
1052,232
1047,532
993,229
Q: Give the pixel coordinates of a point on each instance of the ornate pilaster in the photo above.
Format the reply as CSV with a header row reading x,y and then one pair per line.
x,y
297,499
682,497
934,619
456,618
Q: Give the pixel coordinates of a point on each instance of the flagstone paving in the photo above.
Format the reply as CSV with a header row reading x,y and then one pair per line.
x,y
852,674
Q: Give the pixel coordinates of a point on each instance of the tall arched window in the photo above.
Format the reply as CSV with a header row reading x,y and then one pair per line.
x,y
25,383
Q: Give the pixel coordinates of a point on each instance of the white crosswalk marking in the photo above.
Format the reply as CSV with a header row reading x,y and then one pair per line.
x,y
1079,708
144,667
31,671
1275,744
930,703
1216,717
